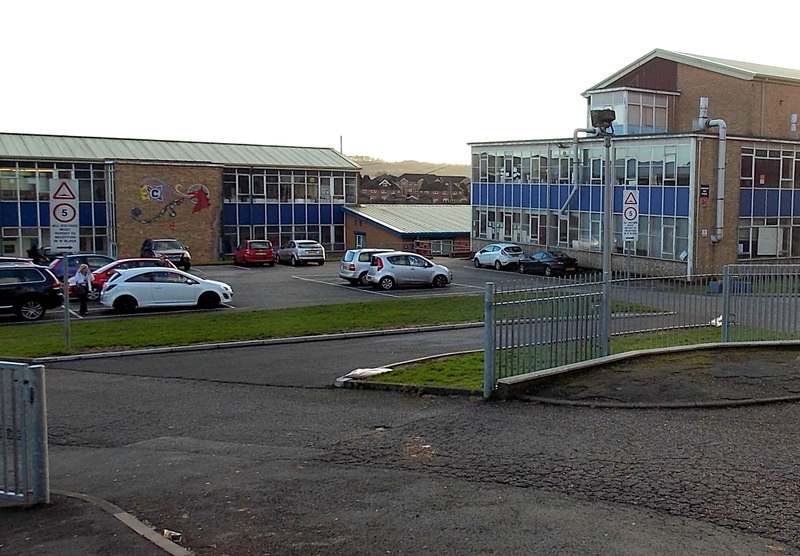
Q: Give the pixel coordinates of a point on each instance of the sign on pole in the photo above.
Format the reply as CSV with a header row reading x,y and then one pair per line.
x,y
64,223
630,215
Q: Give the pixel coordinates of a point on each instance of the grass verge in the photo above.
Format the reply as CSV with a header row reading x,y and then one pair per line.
x,y
26,341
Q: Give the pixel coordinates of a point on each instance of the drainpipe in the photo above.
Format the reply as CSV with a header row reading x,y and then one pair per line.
x,y
703,123
576,167
793,127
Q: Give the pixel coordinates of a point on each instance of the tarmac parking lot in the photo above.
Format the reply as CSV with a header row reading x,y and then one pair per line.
x,y
262,287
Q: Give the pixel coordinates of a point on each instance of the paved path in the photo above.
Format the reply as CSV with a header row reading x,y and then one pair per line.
x,y
251,451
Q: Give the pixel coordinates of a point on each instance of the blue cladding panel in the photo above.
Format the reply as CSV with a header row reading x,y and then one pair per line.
x,y
100,214
772,202
28,214
244,214
44,213
299,214
312,214
490,197
682,202
786,202
759,202
338,214
669,201
286,214
656,200
258,214
517,188
85,214
229,214
745,200
596,196
326,214
526,196
273,217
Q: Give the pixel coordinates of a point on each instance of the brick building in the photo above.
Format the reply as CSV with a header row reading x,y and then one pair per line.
x,y
208,195
708,148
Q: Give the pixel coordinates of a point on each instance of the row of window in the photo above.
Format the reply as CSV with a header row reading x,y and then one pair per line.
x,y
330,236
770,167
634,164
258,185
30,181
661,237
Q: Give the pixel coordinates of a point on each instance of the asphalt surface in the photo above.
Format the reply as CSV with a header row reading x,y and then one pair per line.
x,y
252,451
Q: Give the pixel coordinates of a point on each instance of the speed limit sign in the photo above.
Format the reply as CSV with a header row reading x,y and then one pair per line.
x,y
64,221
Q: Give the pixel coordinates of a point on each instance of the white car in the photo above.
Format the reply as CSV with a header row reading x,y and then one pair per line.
x,y
399,268
161,287
355,264
301,251
499,256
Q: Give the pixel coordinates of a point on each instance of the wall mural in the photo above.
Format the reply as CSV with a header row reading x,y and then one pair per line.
x,y
163,199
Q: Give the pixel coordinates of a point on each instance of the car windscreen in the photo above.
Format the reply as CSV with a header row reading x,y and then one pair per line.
x,y
162,245
513,249
259,245
348,256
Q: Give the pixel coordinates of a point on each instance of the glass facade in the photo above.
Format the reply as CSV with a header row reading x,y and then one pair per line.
x,y
524,194
279,205
769,203
638,112
25,204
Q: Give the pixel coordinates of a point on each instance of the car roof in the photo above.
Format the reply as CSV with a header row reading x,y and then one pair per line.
x,y
142,269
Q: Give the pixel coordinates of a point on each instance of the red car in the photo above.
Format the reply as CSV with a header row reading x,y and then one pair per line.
x,y
102,274
254,251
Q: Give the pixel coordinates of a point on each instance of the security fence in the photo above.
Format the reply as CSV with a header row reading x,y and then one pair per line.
x,y
530,327
24,468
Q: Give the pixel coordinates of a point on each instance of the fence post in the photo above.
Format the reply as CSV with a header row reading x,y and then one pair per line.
x,y
727,286
489,336
37,439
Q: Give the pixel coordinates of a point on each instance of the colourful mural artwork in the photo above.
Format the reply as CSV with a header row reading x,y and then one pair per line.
x,y
168,199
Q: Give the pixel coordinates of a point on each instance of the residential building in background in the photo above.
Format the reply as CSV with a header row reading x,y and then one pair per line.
x,y
415,188
709,146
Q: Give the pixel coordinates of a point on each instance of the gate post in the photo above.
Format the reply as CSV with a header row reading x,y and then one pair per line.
x,y
727,286
36,441
489,338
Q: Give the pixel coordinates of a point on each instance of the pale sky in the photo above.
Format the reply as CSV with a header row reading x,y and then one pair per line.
x,y
394,80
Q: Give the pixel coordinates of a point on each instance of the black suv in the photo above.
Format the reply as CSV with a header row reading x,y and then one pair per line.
x,y
28,290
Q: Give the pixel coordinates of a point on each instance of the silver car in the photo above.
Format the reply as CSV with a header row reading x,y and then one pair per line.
x,y
355,264
301,251
399,268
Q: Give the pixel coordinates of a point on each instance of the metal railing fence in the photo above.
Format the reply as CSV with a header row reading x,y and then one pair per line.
x,y
530,327
24,467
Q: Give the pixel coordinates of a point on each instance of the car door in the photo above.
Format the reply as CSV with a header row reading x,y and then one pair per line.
x,y
419,271
399,269
487,255
171,288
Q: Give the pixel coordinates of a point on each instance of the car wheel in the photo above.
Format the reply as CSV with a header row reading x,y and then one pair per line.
x,y
497,265
548,271
293,261
321,263
362,280
31,309
439,281
477,263
521,268
386,283
93,294
125,304
208,300
271,264
187,266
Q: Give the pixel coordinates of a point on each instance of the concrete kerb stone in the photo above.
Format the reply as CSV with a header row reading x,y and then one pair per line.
x,y
129,521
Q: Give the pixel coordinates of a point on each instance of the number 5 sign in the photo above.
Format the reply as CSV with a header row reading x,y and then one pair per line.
x,y
64,222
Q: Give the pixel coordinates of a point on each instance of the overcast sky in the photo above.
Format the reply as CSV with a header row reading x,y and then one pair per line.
x,y
394,80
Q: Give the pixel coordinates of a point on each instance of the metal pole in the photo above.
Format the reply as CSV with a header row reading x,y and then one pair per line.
x,y
65,289
36,414
608,200
488,340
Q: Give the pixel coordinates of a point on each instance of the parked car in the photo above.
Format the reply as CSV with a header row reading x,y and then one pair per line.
x,y
28,290
355,264
102,274
549,263
161,287
399,268
94,261
15,260
301,251
254,251
170,248
499,255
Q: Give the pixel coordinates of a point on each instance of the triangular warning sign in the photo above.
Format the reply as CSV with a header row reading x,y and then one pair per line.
x,y
64,191
630,199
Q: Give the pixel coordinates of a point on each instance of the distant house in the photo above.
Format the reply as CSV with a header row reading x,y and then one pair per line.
x,y
440,229
415,188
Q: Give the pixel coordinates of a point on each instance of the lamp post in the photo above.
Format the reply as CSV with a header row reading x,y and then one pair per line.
x,y
602,120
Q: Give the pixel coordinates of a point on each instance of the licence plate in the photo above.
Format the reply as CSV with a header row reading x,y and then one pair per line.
x,y
314,252
570,268
261,252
